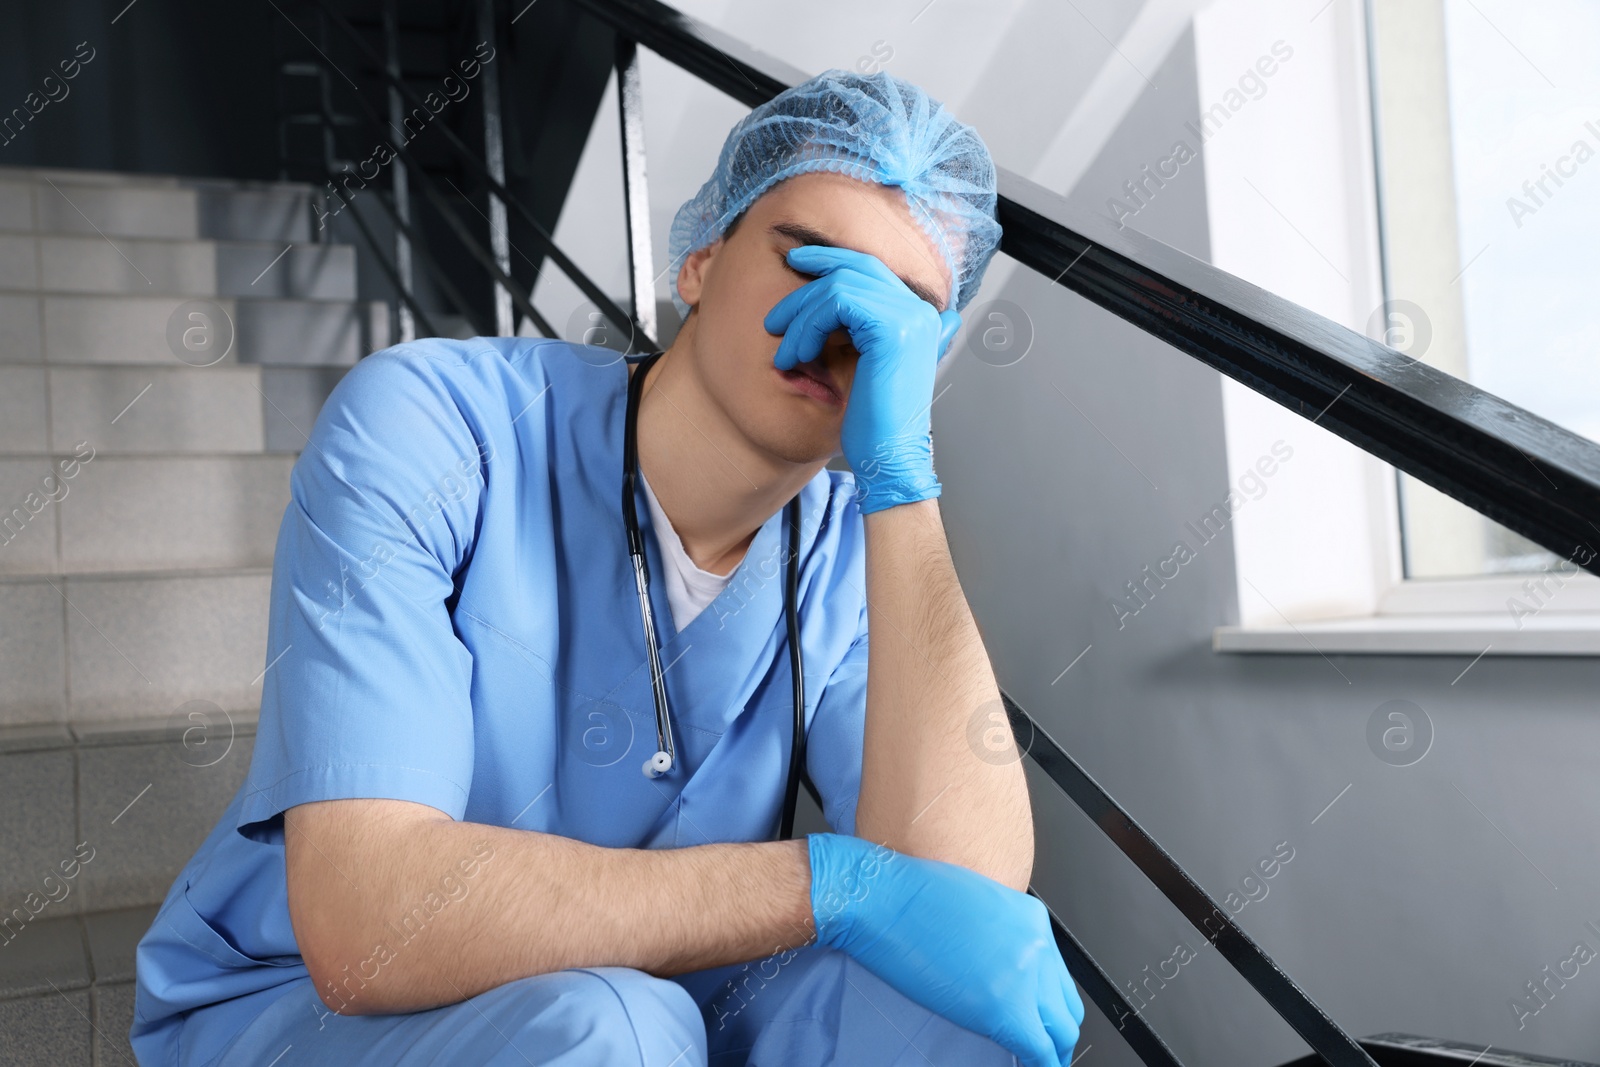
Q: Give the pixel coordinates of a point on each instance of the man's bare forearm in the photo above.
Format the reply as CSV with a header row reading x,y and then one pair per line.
x,y
396,923
939,774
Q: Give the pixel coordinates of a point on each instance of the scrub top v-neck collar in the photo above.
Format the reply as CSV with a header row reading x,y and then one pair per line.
x,y
690,587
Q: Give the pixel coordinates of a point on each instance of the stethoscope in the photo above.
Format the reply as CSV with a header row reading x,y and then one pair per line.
x,y
666,755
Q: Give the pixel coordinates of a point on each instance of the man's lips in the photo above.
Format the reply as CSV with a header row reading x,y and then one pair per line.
x,y
817,371
815,384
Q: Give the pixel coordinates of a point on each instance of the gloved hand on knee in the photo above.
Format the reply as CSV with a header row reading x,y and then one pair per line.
x,y
979,953
886,436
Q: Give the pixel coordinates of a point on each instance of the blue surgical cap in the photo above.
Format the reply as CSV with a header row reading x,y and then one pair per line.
x,y
875,128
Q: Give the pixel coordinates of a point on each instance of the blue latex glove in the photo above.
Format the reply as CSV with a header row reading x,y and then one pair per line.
x,y
964,946
886,437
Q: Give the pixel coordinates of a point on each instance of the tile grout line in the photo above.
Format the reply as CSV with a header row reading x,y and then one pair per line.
x,y
95,1023
38,279
44,357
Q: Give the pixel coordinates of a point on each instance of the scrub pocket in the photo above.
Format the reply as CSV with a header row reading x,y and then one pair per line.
x,y
184,962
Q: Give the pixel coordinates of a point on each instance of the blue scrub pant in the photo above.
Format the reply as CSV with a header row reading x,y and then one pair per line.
x,y
815,1007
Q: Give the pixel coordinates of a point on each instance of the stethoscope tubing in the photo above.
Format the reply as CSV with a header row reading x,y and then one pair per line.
x,y
665,758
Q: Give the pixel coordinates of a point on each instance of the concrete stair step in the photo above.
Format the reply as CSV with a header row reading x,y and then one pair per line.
x,y
101,794
131,409
108,513
118,646
294,396
57,1028
186,268
67,950
87,328
97,796
119,205
92,176
84,1013
113,811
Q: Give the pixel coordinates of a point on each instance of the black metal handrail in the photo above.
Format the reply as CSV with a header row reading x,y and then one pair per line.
x,y
1523,471
1088,973
1519,469
475,247
382,259
1155,863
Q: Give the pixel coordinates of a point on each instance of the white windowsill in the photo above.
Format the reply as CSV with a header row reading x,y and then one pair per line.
x,y
1497,634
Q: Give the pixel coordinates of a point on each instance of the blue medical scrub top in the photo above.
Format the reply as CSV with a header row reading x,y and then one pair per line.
x,y
454,622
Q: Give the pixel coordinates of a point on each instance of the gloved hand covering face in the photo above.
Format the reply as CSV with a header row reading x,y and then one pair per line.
x,y
886,435
976,952
876,128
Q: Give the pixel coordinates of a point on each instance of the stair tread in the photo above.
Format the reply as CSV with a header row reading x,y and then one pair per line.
x,y
96,239
135,729
73,951
319,301
88,176
112,451
79,294
252,570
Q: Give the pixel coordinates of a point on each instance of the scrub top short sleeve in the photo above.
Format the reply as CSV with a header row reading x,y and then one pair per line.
x,y
836,737
367,693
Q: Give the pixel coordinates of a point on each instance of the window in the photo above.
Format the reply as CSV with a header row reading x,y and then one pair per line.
x,y
1488,147
1376,195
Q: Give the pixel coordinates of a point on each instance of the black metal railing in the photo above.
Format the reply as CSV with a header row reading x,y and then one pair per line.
x,y
1520,470
492,260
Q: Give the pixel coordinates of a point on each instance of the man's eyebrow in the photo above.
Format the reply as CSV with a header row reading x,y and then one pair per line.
x,y
800,233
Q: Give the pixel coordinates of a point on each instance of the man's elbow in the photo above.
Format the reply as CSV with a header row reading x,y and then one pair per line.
x,y
1017,873
1010,861
338,928
336,973
1012,867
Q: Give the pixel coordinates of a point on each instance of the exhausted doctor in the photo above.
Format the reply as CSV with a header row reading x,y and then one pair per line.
x,y
523,782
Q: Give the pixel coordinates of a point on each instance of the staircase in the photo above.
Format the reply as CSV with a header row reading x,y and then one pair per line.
x,y
165,345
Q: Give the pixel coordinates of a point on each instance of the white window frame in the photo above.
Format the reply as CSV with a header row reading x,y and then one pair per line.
x,y
1293,208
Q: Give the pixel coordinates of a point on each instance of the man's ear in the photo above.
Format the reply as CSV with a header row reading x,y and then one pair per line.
x,y
692,275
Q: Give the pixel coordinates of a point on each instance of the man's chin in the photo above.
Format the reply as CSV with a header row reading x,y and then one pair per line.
x,y
797,446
